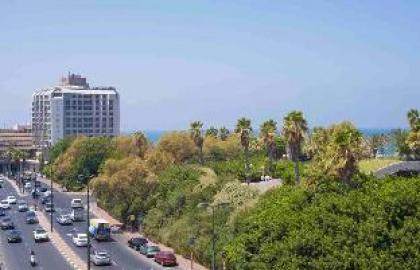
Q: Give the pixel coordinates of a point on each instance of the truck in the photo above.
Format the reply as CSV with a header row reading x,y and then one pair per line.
x,y
77,214
100,229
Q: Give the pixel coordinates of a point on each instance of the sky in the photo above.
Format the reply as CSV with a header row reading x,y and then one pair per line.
x,y
174,62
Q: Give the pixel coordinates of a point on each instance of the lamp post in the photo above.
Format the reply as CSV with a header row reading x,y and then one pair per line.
x,y
85,180
52,197
213,208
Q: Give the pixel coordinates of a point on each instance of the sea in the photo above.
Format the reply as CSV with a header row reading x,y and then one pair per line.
x,y
389,150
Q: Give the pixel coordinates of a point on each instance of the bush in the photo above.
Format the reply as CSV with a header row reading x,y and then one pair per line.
x,y
375,226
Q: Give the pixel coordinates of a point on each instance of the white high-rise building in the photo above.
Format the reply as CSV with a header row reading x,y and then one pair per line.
x,y
74,108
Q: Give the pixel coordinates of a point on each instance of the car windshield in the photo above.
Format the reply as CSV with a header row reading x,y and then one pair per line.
x,y
82,236
6,219
30,214
40,231
77,200
102,253
15,232
4,201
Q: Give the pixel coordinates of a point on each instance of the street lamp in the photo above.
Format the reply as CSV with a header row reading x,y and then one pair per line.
x,y
213,207
52,197
85,180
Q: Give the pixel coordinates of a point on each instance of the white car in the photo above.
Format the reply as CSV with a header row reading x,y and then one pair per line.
x,y
76,203
40,235
11,199
1,179
5,204
28,185
80,240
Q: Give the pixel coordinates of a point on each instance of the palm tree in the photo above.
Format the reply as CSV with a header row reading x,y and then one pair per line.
x,y
243,127
294,130
268,133
141,142
414,119
223,133
197,136
212,131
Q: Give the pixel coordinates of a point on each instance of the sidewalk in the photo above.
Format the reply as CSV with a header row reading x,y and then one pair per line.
x,y
72,258
183,263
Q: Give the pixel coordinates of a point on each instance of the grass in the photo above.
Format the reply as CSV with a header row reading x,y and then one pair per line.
x,y
372,165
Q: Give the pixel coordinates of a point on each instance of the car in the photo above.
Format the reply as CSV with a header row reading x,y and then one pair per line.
x,y
40,235
137,242
41,189
14,237
11,199
80,240
7,224
22,206
149,251
2,212
45,199
31,218
64,220
100,257
166,258
28,185
76,203
4,204
49,207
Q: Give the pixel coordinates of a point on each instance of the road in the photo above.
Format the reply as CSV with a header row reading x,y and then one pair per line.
x,y
124,258
16,256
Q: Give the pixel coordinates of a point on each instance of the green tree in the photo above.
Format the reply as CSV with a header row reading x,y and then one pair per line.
x,y
414,119
294,130
268,131
243,127
400,141
212,131
223,133
197,136
338,152
141,143
177,144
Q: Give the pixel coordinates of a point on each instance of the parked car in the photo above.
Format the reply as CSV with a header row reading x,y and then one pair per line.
x,y
22,206
28,185
40,189
2,212
49,207
31,218
76,203
64,220
166,258
149,251
11,199
40,235
45,199
100,257
137,242
14,237
5,204
80,239
7,224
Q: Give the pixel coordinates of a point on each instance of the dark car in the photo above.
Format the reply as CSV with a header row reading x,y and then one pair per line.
x,y
166,258
46,199
41,189
14,237
7,224
137,242
2,212
49,207
31,218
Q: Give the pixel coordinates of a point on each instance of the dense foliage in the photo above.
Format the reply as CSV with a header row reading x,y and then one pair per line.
x,y
374,226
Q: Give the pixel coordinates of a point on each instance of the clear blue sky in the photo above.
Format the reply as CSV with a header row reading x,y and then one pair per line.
x,y
178,61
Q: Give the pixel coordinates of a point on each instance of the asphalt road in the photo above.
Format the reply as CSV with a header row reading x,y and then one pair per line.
x,y
123,257
16,255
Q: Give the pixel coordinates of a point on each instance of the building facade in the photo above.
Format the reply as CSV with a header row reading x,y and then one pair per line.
x,y
74,108
19,137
